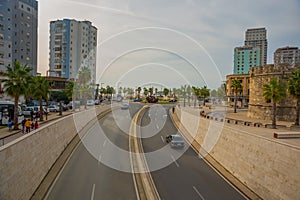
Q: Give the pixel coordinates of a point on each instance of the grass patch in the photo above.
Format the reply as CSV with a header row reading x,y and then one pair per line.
x,y
164,102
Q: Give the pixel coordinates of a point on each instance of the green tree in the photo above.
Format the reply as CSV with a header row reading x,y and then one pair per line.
x,y
155,91
17,84
236,87
40,90
139,89
84,77
294,90
166,91
69,90
146,91
110,90
204,93
196,92
275,92
189,91
151,91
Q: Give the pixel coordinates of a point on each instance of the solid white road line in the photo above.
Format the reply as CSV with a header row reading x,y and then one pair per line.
x,y
197,191
176,163
93,192
162,139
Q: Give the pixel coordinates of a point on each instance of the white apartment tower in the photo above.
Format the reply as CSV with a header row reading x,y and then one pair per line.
x,y
73,44
287,55
257,37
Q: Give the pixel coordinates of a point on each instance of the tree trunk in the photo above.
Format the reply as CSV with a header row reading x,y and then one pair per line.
x,y
274,115
16,127
297,111
183,101
235,102
195,102
41,110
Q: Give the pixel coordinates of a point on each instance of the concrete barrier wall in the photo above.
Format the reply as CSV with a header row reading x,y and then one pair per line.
x,y
268,167
25,162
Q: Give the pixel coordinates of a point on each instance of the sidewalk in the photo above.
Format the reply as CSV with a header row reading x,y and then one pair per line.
x,y
7,136
241,115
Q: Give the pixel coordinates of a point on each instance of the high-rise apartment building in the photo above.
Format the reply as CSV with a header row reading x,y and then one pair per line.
x,y
287,55
73,44
18,33
244,58
257,37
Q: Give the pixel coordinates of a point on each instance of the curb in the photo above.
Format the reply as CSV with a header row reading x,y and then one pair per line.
x,y
144,184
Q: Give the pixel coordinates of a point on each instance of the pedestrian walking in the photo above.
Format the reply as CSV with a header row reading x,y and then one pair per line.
x,y
36,125
23,125
9,124
27,125
32,125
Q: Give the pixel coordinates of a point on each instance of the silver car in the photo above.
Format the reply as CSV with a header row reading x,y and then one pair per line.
x,y
175,141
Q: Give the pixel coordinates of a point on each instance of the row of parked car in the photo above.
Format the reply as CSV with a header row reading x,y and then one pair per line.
x,y
36,109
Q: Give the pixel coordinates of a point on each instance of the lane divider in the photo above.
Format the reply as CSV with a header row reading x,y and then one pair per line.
x,y
144,184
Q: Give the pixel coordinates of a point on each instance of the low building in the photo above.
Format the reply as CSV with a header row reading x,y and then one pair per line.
x,y
57,83
259,107
243,96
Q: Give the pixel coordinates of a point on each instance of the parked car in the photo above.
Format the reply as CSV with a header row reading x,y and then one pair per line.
x,y
90,102
27,111
175,141
53,108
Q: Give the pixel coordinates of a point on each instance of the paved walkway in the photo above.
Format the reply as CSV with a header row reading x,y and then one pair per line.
x,y
7,136
268,133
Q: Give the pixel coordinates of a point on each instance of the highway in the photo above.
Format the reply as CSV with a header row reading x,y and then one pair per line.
x,y
96,170
188,177
85,177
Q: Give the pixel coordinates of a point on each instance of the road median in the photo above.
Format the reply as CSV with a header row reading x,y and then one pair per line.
x,y
144,185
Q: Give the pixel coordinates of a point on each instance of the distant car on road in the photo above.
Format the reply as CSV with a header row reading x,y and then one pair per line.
x,y
137,100
175,141
125,106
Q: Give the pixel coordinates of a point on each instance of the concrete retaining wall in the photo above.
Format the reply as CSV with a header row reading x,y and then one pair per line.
x,y
268,167
26,161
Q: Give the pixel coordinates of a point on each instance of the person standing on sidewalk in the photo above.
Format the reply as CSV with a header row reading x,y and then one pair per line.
x,y
36,125
23,125
27,125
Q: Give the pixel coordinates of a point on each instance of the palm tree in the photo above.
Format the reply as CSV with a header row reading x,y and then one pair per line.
x,y
139,91
84,75
183,92
188,90
274,92
151,91
40,88
196,92
146,91
155,91
69,90
16,85
204,93
236,87
294,90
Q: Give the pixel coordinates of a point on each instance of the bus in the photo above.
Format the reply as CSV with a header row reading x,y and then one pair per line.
x,y
7,112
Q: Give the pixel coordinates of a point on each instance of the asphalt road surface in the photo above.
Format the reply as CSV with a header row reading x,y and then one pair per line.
x,y
87,174
188,177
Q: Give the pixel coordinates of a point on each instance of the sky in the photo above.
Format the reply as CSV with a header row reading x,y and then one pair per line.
x,y
169,43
